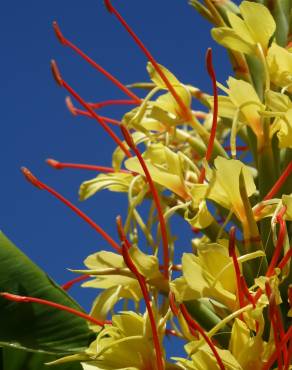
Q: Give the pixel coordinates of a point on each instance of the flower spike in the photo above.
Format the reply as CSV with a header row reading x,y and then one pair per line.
x,y
141,280
36,182
24,299
68,43
64,84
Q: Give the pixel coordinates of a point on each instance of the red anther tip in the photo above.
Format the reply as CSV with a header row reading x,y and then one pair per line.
x,y
53,163
108,5
56,73
31,178
127,136
13,297
209,63
70,106
58,33
120,228
231,247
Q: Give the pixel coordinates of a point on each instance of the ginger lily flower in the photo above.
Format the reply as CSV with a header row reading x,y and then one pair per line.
x,y
247,34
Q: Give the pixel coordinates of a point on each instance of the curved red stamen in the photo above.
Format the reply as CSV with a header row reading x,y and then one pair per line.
x,y
186,112
24,299
212,75
68,43
279,183
274,319
192,323
285,259
61,165
72,282
172,304
232,254
143,286
36,182
280,242
154,193
273,357
72,92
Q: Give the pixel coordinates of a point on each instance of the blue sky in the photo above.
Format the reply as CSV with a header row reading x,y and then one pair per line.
x,y
36,124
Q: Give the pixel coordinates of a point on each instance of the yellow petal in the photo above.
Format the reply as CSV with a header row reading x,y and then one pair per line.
x,y
259,21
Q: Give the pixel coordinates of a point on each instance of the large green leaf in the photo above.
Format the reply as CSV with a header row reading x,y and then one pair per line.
x,y
32,326
17,359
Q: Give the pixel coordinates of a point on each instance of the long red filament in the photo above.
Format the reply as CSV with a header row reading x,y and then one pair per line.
x,y
274,324
154,193
72,92
112,102
285,259
68,43
212,75
232,254
72,282
186,112
239,148
273,357
36,182
279,183
60,307
280,242
61,165
193,324
143,286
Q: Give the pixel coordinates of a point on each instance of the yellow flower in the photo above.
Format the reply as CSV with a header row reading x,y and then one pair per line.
x,y
246,34
280,66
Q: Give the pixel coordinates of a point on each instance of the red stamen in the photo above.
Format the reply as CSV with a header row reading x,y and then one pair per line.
x,y
154,193
185,111
232,254
193,324
273,357
143,286
246,291
273,317
36,182
212,75
66,42
72,92
61,165
172,305
75,112
239,148
70,283
280,242
279,183
285,259
288,361
24,299
112,102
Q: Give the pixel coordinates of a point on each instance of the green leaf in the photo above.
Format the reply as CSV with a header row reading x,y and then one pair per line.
x,y
32,326
16,359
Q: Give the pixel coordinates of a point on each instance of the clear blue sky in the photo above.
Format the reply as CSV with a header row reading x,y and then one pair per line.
x,y
35,123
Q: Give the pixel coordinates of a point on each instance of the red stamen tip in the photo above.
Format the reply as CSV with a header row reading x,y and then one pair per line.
x,y
108,5
70,106
127,136
13,297
58,33
56,73
209,62
53,163
31,178
120,228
